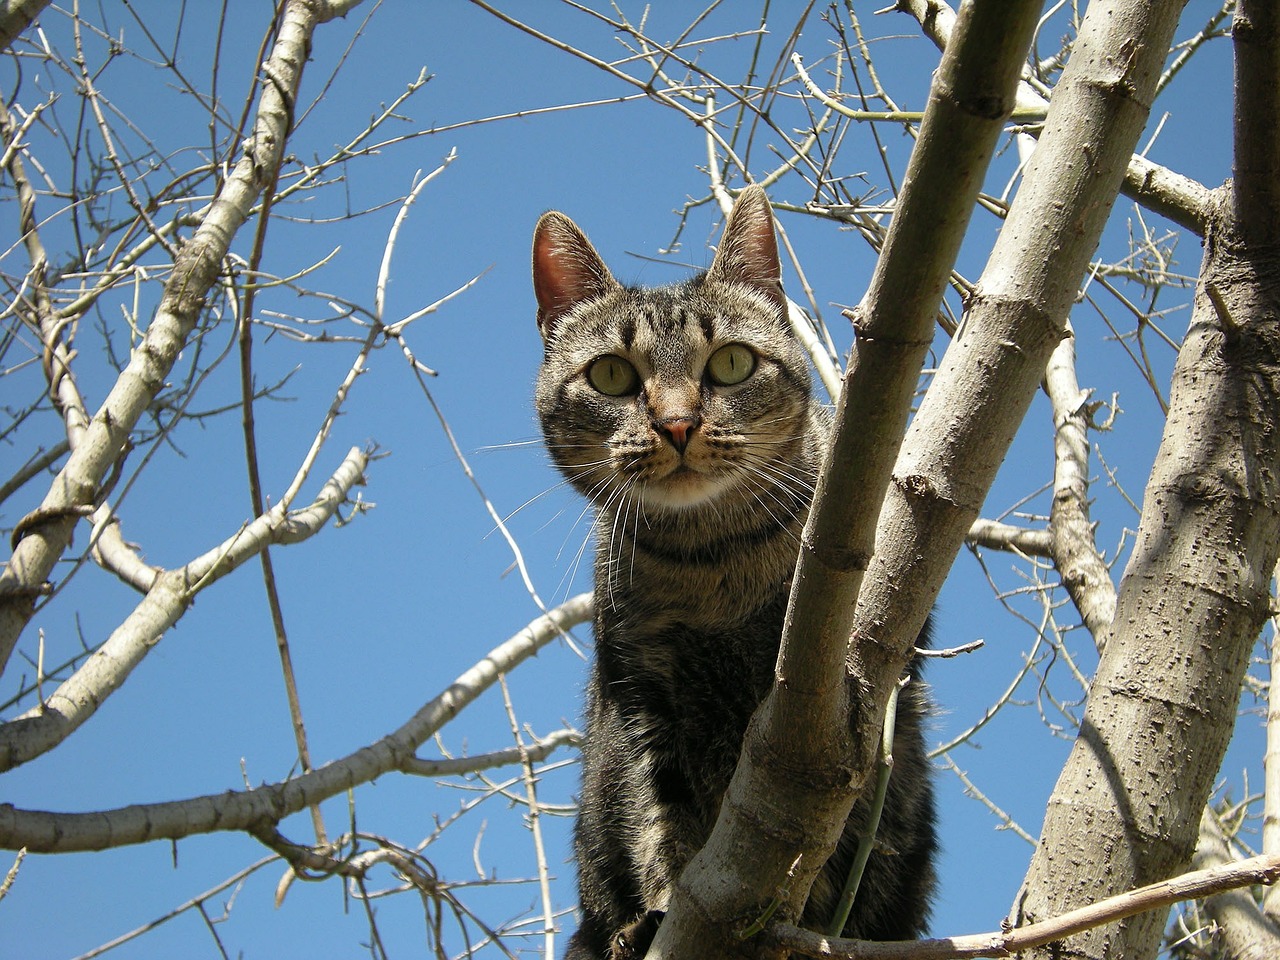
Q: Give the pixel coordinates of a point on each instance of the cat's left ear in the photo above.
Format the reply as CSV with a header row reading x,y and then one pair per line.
x,y
748,251
566,269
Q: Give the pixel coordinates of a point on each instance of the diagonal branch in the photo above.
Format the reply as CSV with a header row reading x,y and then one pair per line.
x,y
169,595
971,97
1215,880
43,832
1170,194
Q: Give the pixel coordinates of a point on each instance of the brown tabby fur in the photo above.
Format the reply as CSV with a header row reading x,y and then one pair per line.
x,y
701,490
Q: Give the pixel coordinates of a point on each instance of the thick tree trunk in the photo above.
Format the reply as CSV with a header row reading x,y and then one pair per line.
x,y
1191,603
800,771
1127,806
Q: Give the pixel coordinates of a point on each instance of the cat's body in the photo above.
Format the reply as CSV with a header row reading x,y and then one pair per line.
x,y
684,413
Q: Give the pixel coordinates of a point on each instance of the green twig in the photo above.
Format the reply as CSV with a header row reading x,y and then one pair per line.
x,y
868,840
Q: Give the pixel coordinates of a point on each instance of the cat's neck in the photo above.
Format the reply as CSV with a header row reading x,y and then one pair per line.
x,y
708,566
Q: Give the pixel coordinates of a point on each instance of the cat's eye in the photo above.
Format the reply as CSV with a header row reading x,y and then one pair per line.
x,y
731,364
613,376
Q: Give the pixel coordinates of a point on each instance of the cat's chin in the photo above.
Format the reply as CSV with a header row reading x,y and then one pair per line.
x,y
684,489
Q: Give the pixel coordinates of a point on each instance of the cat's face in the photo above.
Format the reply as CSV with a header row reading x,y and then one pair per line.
x,y
676,397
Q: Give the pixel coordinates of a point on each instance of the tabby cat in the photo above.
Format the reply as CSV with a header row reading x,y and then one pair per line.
x,y
684,414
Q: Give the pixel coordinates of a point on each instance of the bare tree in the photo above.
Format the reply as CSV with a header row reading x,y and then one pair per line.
x,y
1070,92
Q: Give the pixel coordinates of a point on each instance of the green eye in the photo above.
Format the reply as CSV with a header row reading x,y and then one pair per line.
x,y
613,376
731,364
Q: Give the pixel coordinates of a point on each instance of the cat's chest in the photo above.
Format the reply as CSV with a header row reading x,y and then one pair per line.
x,y
710,600
663,669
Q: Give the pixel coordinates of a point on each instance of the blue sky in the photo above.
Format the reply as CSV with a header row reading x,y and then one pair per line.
x,y
384,612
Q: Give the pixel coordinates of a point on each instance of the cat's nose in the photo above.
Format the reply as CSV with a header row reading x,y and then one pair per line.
x,y
677,430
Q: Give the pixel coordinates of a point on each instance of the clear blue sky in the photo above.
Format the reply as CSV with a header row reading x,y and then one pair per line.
x,y
385,612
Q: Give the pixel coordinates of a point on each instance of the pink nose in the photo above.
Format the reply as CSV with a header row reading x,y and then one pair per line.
x,y
677,430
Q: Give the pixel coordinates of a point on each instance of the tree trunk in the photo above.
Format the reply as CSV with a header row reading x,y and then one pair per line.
x,y
1196,591
1191,603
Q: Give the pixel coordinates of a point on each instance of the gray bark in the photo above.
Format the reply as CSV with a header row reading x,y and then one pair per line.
x,y
1195,593
800,771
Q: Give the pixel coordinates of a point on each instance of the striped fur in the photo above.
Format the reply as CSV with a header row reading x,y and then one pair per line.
x,y
701,490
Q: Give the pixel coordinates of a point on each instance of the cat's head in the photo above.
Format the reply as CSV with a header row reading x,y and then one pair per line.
x,y
672,397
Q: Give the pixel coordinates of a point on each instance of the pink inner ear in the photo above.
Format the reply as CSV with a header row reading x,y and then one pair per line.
x,y
749,248
550,280
566,269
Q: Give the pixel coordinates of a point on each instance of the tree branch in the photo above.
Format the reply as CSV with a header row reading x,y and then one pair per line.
x,y
1244,931
1191,603
1201,883
1170,194
169,595
1083,571
44,832
971,96
195,270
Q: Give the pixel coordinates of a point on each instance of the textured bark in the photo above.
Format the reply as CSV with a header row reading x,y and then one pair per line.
x,y
1195,593
1014,320
800,772
1191,604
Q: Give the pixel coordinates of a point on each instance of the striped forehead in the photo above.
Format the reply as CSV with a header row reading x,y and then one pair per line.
x,y
666,326
655,316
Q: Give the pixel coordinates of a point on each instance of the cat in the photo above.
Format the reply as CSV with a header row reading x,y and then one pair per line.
x,y
684,414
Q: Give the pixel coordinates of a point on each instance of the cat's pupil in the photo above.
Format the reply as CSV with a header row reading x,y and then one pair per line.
x,y
613,376
731,364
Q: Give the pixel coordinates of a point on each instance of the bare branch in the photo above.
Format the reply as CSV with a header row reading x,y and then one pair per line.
x,y
1084,572
539,750
1271,772
171,593
194,273
43,832
1199,883
1170,194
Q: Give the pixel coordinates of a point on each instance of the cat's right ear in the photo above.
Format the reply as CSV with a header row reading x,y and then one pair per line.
x,y
566,269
